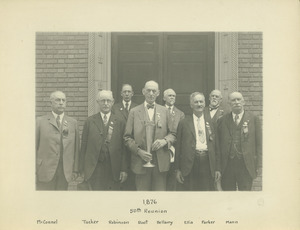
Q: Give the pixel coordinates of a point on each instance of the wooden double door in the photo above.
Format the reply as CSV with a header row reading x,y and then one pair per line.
x,y
178,60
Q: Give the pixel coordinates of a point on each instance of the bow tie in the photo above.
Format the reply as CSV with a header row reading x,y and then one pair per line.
x,y
150,106
211,109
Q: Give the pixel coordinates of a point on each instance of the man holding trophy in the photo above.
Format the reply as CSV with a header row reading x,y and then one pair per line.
x,y
148,135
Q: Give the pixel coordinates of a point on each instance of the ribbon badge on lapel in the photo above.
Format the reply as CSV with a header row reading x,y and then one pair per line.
x,y
221,113
245,128
65,130
109,132
159,125
209,131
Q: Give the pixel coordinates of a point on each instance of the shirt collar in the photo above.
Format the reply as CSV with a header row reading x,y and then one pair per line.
x,y
196,118
108,115
145,104
170,106
240,115
61,116
214,108
124,103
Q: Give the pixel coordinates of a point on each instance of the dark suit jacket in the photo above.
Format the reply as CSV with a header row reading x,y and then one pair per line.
x,y
48,139
186,146
176,116
92,140
251,142
135,136
120,111
219,113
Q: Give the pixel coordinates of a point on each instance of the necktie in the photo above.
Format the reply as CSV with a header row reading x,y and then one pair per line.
x,y
213,108
150,106
58,121
170,109
105,119
126,106
236,119
200,131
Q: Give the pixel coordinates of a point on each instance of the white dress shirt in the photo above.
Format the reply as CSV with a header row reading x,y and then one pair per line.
x,y
107,115
61,116
213,112
150,111
240,116
172,108
199,145
124,104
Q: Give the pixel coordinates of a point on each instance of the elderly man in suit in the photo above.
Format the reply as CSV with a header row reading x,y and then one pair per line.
x,y
196,163
149,134
214,111
239,146
57,146
122,109
176,115
103,156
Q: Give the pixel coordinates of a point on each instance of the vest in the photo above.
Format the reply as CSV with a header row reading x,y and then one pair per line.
x,y
104,152
236,146
150,133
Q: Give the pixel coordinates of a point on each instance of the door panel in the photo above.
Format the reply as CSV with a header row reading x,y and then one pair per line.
x,y
182,61
188,65
136,59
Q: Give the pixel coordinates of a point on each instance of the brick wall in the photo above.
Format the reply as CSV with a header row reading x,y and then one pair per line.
x,y
62,64
250,77
250,70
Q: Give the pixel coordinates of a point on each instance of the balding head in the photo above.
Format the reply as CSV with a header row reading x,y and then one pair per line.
x,y
151,91
58,102
151,84
236,102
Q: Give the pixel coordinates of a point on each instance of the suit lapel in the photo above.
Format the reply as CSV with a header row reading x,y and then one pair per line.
x,y
123,110
176,114
245,118
207,114
227,121
142,113
207,120
192,126
98,122
52,121
112,120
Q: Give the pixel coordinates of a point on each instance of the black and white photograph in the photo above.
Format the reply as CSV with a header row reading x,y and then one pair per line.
x,y
203,132
149,114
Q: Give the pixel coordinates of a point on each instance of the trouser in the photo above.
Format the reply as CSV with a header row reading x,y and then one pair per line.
x,y
58,181
236,176
171,178
102,177
153,179
200,178
129,184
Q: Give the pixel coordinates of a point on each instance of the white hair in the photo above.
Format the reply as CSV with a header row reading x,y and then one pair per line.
x,y
102,92
167,91
52,95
